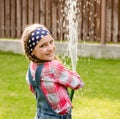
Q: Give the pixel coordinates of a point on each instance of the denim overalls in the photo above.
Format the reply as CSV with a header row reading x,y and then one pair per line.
x,y
44,111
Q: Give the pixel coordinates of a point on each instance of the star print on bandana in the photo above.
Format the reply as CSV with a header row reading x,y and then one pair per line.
x,y
35,37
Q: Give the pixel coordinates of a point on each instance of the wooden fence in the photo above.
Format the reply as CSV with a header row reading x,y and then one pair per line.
x,y
99,19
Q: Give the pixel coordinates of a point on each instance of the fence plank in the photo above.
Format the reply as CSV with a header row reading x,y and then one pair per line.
x,y
98,20
85,19
91,21
24,13
79,18
119,21
59,20
103,18
30,11
19,18
48,14
42,12
13,21
108,20
115,21
2,27
7,18
36,11
54,20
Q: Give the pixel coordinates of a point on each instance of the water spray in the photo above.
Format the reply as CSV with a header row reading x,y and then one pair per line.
x,y
73,34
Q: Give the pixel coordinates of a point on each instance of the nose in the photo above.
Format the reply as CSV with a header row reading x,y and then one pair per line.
x,y
50,47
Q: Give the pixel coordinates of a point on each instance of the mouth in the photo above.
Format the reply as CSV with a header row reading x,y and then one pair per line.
x,y
50,54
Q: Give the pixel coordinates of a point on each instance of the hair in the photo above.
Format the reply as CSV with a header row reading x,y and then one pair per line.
x,y
25,37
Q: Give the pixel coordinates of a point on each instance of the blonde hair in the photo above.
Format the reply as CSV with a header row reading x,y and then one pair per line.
x,y
25,37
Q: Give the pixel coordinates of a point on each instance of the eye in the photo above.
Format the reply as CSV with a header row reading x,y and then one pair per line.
x,y
41,46
52,41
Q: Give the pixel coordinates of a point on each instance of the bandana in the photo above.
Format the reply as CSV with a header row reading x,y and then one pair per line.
x,y
35,37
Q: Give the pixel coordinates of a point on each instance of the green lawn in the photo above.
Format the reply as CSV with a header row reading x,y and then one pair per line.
x,y
99,99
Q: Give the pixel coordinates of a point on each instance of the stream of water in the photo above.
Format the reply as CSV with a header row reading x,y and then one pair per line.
x,y
72,33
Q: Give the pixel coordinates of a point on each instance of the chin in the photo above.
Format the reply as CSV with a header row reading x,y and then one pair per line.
x,y
50,59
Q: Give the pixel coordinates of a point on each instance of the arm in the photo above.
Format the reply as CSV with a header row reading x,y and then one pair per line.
x,y
67,77
28,82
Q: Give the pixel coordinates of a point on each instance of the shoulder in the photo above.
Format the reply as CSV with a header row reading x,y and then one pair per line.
x,y
53,64
33,66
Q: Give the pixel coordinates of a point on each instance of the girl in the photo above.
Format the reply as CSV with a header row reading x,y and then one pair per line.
x,y
53,79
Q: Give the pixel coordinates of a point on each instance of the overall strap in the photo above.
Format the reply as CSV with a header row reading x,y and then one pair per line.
x,y
38,73
35,83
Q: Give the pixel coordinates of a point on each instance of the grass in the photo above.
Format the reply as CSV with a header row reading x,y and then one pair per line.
x,y
99,99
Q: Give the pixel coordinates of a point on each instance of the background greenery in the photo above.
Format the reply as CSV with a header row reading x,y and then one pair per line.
x,y
99,99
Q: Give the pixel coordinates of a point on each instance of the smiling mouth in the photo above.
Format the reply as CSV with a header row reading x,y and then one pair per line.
x,y
50,54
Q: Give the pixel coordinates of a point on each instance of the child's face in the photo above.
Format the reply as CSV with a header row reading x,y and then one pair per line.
x,y
45,49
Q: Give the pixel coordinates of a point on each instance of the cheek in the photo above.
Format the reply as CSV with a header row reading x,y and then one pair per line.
x,y
39,52
54,47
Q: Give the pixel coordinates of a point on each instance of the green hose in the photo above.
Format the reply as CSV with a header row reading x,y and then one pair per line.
x,y
71,94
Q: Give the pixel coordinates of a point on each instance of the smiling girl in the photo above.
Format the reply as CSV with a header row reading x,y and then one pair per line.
x,y
51,78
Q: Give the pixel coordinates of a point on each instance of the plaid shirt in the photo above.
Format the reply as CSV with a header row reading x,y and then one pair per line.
x,y
55,79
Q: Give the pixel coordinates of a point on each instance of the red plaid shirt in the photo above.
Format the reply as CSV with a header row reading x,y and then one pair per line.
x,y
55,78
